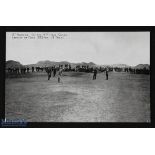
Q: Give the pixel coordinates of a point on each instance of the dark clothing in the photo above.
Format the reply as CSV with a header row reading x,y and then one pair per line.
x,y
32,69
49,73
49,76
54,72
95,73
106,75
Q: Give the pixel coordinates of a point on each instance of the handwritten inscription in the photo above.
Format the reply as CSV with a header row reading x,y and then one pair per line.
x,y
38,35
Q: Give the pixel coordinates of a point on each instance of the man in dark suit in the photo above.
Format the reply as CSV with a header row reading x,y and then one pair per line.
x,y
106,74
95,73
49,71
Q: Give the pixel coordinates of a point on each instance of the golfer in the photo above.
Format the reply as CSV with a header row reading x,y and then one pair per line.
x,y
59,74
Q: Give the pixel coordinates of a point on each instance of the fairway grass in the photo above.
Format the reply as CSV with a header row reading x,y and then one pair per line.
x,y
123,98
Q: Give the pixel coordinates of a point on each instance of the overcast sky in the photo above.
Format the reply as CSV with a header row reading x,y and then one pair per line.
x,y
129,48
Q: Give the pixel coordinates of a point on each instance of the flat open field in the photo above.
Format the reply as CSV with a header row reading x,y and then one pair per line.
x,y
123,98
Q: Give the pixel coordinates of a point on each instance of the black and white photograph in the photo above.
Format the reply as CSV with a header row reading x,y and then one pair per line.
x,y
78,76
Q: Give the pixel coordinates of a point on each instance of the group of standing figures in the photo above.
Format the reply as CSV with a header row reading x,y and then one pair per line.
x,y
54,70
95,74
58,71
23,70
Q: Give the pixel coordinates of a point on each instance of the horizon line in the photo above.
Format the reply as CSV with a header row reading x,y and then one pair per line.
x,y
81,62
